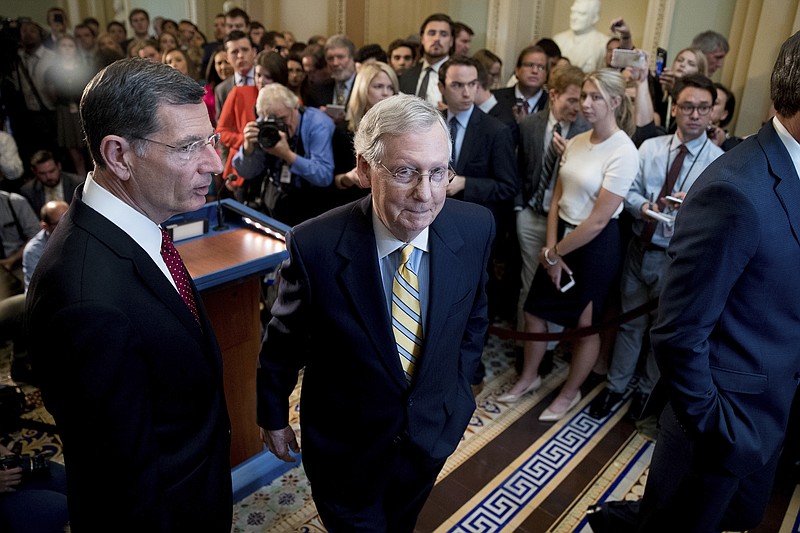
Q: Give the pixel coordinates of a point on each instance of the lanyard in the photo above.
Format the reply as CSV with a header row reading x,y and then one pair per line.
x,y
685,176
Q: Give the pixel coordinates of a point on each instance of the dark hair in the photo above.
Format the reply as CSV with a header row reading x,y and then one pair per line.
x,y
316,52
235,35
437,17
84,26
549,47
275,65
370,51
41,156
483,74
530,50
270,38
698,81
136,11
458,60
458,27
400,43
256,25
730,103
212,78
238,12
125,98
785,80
115,23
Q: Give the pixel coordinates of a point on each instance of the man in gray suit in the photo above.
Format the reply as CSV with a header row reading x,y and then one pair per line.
x,y
536,136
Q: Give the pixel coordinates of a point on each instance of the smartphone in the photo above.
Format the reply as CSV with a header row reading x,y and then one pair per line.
x,y
661,61
336,112
661,217
627,58
58,17
569,284
674,200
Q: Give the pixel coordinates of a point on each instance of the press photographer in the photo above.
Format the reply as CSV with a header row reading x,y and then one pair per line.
x,y
32,494
289,148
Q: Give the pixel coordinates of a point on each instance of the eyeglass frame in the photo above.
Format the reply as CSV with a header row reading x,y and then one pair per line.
x,y
692,108
538,66
444,183
190,149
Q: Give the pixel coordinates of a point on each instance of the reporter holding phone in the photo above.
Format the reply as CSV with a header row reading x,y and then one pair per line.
x,y
583,239
668,167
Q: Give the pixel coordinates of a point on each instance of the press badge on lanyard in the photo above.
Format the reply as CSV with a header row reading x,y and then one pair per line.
x,y
286,176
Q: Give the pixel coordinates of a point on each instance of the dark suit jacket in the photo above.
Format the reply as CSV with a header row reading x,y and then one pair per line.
x,y
532,131
320,94
221,92
331,317
727,337
487,162
34,190
505,98
133,382
408,80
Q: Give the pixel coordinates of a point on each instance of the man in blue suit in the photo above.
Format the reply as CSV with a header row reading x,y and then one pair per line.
x,y
727,337
376,431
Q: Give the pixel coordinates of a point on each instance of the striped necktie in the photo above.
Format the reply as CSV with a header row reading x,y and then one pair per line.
x,y
406,314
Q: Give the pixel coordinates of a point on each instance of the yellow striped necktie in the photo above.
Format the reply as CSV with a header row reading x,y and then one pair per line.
x,y
406,314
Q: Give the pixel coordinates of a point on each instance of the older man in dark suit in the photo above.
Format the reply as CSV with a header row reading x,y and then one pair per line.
x,y
383,302
118,335
727,337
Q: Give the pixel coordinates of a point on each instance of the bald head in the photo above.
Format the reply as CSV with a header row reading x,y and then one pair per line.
x,y
51,213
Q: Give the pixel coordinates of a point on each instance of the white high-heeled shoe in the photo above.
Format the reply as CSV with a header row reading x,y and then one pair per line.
x,y
549,415
512,398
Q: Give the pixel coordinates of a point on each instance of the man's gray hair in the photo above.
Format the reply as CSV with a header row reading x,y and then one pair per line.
x,y
272,95
709,41
125,97
397,115
340,40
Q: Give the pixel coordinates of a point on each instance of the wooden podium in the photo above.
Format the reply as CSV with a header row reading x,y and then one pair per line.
x,y
227,266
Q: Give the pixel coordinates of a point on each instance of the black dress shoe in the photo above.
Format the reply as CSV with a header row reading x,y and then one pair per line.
x,y
636,409
602,405
613,517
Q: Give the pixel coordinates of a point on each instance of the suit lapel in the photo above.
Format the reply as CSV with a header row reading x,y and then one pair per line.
x,y
470,138
362,278
149,274
787,186
444,242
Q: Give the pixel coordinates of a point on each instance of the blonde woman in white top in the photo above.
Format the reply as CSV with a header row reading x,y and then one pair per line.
x,y
584,249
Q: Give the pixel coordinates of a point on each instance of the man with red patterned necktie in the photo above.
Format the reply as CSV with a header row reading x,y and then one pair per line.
x,y
118,334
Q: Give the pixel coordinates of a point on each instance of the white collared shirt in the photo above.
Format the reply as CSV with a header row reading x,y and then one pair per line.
x,y
141,229
791,144
388,261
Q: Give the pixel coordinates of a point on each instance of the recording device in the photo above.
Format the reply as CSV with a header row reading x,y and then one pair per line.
x,y
661,60
568,285
666,219
674,200
627,58
711,131
58,17
336,112
269,131
33,467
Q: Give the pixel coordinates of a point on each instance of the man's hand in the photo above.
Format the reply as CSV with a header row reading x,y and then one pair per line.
x,y
7,263
282,150
456,186
280,441
559,143
10,479
250,133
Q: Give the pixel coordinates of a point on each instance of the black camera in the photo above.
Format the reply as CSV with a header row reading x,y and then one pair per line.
x,y
33,467
269,131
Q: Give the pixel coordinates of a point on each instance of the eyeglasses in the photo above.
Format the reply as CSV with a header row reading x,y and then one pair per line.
x,y
688,109
535,66
408,178
188,151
